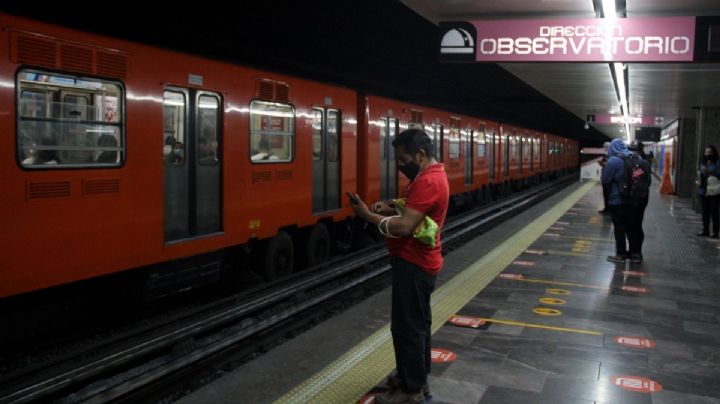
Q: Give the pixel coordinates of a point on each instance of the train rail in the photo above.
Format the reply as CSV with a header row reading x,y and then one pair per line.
x,y
150,360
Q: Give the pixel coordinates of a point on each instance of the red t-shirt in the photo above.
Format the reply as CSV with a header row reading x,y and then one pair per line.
x,y
427,194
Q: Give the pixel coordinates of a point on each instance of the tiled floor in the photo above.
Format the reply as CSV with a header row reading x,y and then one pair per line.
x,y
671,299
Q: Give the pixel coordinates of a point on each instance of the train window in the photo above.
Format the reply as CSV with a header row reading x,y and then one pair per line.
x,y
68,121
208,121
333,129
174,107
513,146
317,127
480,140
437,141
383,126
454,147
272,132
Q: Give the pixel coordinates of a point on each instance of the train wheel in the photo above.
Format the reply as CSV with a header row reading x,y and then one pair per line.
x,y
317,248
279,257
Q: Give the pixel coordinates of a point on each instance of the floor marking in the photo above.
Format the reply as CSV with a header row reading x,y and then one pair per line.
x,y
544,327
574,254
549,282
353,373
553,301
563,292
546,311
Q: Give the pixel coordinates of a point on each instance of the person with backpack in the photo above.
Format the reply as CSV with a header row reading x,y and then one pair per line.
x,y
708,184
641,196
621,208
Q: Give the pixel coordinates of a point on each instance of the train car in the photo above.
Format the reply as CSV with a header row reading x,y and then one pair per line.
x,y
128,156
122,158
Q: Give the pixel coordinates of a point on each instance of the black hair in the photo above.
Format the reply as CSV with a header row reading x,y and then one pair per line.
x,y
413,140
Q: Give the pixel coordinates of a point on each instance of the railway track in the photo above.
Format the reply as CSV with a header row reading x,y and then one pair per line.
x,y
152,360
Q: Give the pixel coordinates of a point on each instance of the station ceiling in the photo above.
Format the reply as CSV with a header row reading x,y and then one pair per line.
x,y
391,48
667,90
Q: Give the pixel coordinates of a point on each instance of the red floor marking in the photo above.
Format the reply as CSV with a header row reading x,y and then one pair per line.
x,y
637,289
636,383
440,355
536,252
465,321
635,342
524,263
634,273
563,223
368,398
551,234
512,276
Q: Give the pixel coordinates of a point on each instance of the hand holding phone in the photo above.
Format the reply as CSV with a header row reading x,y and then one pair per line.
x,y
353,199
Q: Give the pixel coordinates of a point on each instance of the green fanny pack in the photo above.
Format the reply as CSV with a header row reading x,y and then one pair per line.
x,y
426,231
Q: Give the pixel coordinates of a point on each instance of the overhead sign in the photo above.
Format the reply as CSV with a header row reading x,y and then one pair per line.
x,y
630,120
642,39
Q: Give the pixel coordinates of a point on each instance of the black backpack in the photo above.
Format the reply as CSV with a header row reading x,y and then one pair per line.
x,y
636,184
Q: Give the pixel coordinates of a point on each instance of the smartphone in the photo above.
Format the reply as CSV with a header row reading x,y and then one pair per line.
x,y
353,199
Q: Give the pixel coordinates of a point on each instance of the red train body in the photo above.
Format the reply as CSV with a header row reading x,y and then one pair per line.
x,y
120,156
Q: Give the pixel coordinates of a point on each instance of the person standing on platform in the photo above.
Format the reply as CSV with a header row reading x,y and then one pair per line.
x,y
708,173
613,177
412,227
605,189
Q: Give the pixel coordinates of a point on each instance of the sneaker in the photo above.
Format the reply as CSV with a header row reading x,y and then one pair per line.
x,y
617,258
394,383
636,258
703,234
399,396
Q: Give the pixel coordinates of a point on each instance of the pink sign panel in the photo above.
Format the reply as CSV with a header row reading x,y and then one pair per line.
x,y
631,120
643,39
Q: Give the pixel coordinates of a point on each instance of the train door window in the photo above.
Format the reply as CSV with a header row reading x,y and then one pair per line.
x,y
208,121
469,157
454,138
526,151
480,142
491,155
317,126
388,165
437,141
536,152
506,162
68,121
174,119
272,132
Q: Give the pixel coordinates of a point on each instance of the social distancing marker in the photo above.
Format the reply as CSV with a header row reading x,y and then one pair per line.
x,y
555,228
546,311
517,277
637,384
553,301
563,223
369,398
634,342
439,355
467,321
634,289
571,213
637,274
563,292
536,252
524,263
551,235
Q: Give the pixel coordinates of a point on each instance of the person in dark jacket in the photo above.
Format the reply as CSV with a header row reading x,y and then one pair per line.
x,y
710,203
613,176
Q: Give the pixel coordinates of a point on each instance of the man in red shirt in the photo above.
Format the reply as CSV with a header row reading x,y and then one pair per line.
x,y
414,263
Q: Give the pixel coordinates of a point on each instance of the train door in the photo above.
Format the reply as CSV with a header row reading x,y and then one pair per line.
x,y
192,164
467,137
388,165
326,159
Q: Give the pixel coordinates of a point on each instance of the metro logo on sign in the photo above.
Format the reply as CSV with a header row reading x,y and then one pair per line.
x,y
636,383
439,355
465,321
635,342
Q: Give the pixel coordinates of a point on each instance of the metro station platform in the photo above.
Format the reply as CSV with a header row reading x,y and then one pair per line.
x,y
538,315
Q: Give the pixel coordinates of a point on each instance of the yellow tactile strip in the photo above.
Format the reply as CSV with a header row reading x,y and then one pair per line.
x,y
348,378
